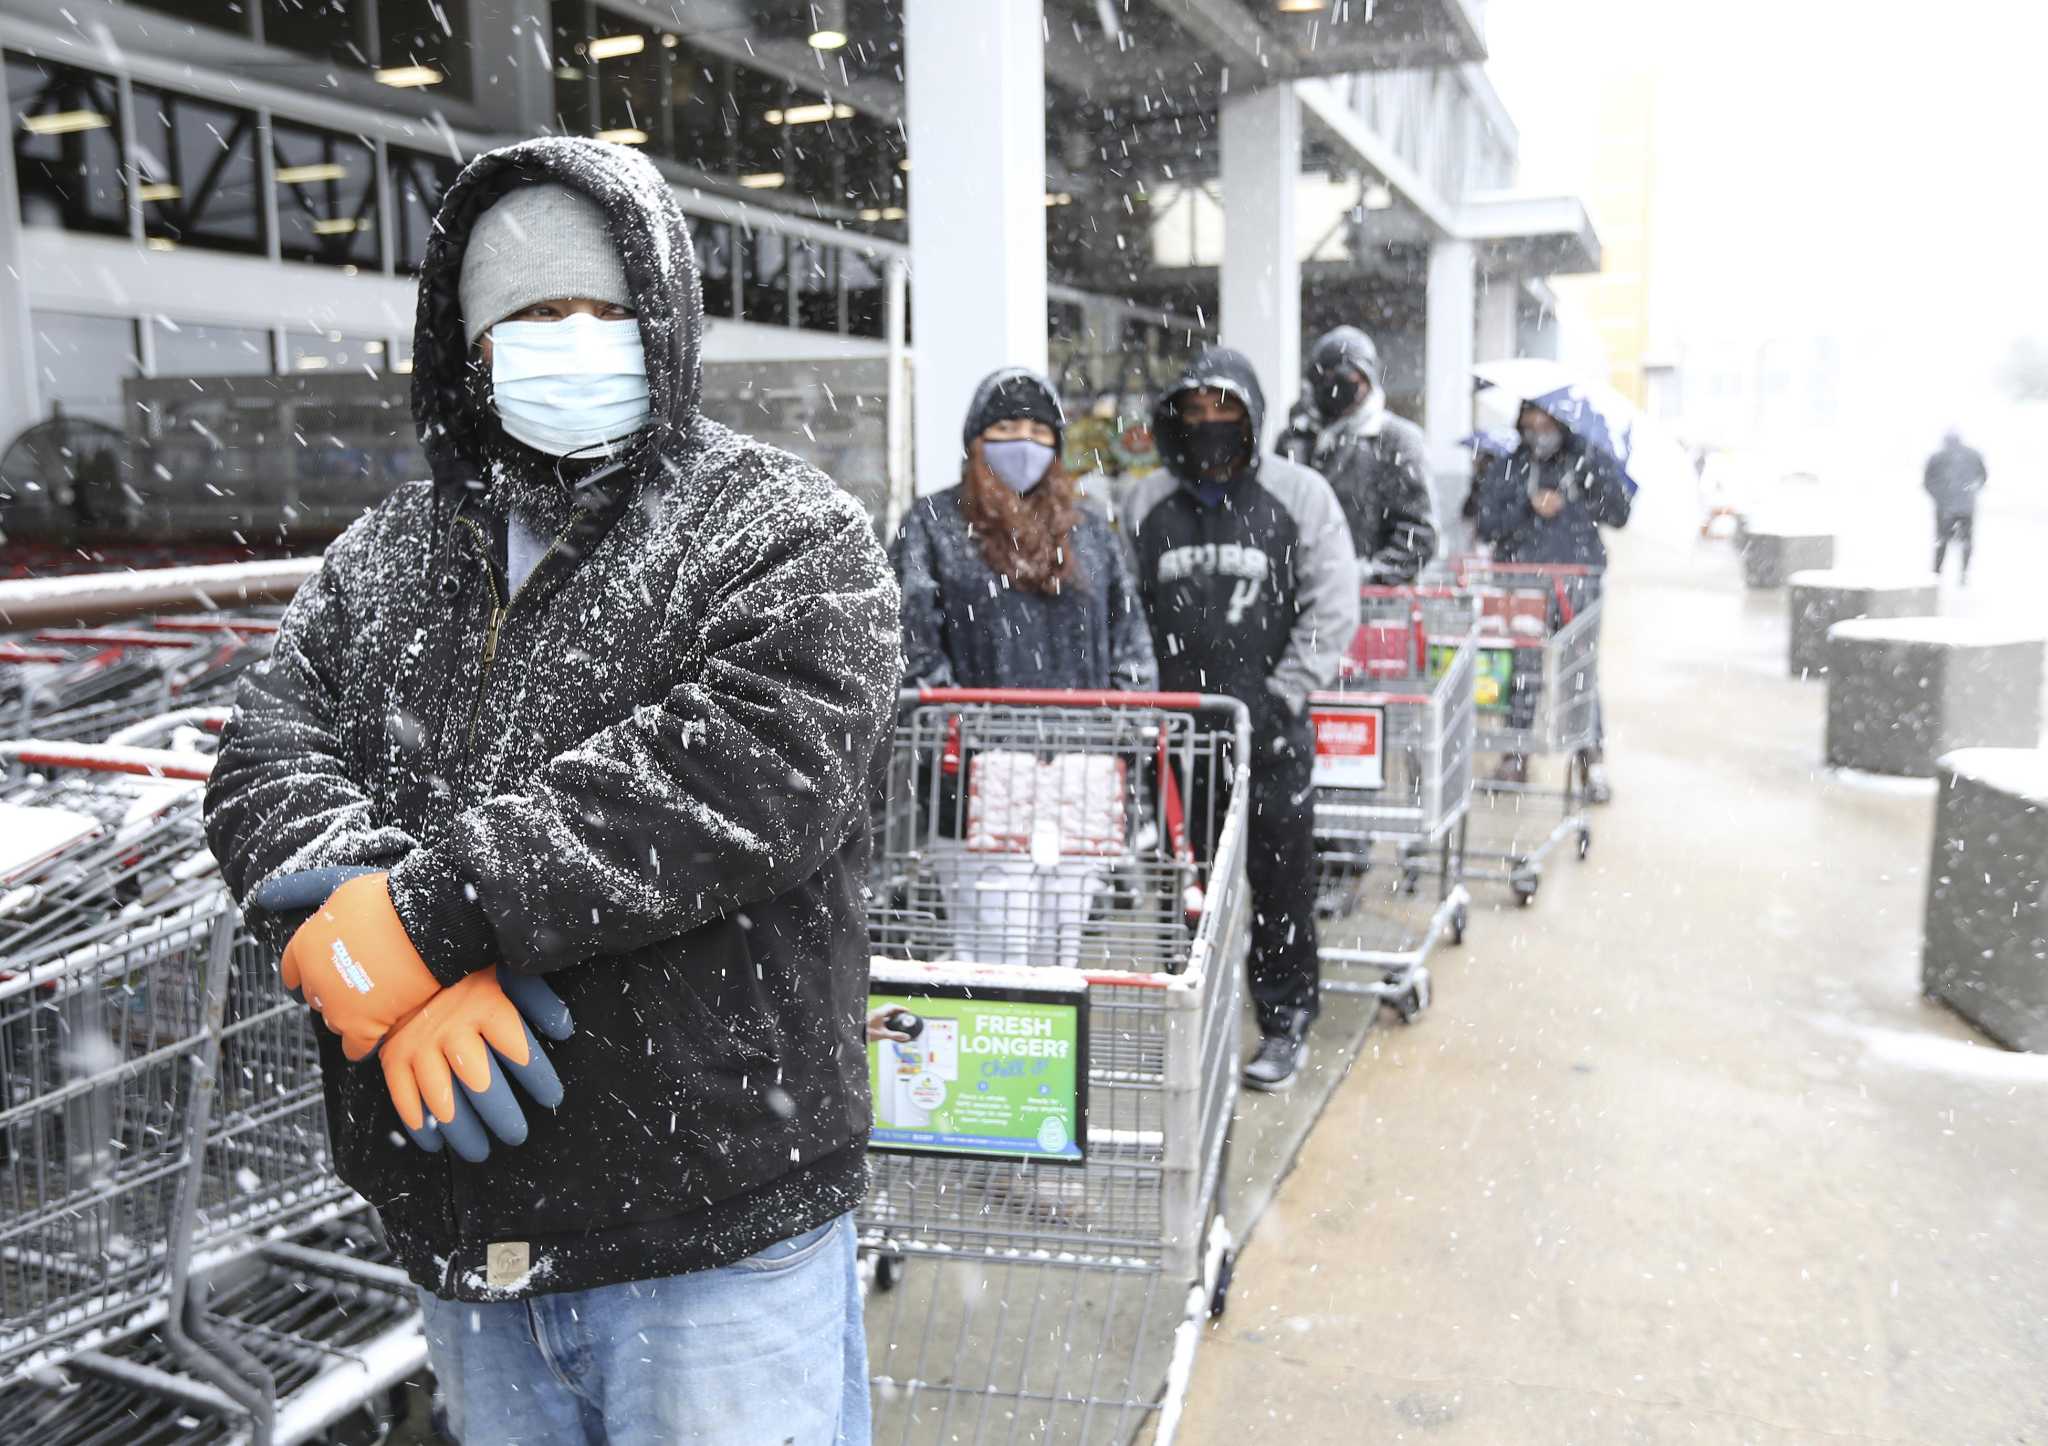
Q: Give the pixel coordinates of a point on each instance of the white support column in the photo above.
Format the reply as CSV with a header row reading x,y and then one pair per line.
x,y
1447,353
974,88
1261,281
18,401
1499,305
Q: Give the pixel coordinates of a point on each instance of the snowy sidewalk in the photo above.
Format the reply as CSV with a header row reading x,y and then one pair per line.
x,y
1680,1154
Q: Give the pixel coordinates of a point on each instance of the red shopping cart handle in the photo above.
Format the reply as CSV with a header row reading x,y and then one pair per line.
x,y
9,653
215,625
113,638
1072,698
108,758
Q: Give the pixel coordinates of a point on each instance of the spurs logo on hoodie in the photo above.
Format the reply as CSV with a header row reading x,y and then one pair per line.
x,y
1255,593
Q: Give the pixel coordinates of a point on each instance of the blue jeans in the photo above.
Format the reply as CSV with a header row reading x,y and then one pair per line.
x,y
768,1350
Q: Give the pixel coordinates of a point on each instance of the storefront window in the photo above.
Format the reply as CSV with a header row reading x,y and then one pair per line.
x,y
713,243
866,299
67,146
817,285
196,163
326,197
186,349
81,362
433,34
332,351
627,61
329,29
766,297
419,180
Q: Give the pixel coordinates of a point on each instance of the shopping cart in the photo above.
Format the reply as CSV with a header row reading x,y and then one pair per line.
x,y
1049,1281
1538,640
162,1127
1393,780
89,683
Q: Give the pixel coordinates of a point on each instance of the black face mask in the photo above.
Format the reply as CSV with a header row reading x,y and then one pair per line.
x,y
1215,450
1336,395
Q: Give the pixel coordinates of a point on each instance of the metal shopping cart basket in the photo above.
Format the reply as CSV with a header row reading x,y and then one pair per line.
x,y
1045,1216
1393,780
162,1127
1538,637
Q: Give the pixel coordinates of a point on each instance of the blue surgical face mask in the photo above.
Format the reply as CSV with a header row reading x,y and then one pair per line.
x,y
569,386
1020,464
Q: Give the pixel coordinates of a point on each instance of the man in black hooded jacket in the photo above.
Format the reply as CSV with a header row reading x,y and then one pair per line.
x,y
597,702
1376,463
1248,579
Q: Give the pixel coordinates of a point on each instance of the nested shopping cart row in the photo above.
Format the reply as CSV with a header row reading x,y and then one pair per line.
x,y
162,1126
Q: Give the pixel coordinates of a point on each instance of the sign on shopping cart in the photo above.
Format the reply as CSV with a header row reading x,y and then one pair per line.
x,y
1350,745
994,1073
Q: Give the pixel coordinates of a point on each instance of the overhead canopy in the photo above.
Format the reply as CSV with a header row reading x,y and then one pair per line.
x,y
1533,235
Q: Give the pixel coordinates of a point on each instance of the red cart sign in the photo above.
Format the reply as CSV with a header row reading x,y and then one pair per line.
x,y
1348,746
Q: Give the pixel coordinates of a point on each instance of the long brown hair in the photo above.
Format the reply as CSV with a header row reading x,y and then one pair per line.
x,y
1026,537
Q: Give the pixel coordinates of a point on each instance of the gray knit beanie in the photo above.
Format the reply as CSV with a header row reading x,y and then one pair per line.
x,y
538,243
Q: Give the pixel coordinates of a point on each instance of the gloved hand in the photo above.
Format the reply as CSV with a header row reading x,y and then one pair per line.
x,y
453,1057
354,963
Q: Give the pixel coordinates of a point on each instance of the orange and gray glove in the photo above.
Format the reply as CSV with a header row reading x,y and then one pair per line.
x,y
454,1056
353,961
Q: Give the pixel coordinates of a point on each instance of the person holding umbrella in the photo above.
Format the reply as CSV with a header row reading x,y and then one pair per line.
x,y
1546,503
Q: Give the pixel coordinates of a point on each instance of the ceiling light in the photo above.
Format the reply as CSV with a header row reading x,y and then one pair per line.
x,y
567,72
904,164
404,367
339,226
408,77
1059,198
827,39
1300,7
624,136
64,122
670,42
611,47
312,363
892,213
161,243
374,348
305,175
764,181
871,213
806,115
158,191
1377,198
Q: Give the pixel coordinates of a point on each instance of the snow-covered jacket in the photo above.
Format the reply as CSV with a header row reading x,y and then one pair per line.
x,y
1378,465
644,774
1257,596
964,627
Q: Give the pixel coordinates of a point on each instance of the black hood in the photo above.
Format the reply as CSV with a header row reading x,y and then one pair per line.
x,y
661,272
1012,392
1227,371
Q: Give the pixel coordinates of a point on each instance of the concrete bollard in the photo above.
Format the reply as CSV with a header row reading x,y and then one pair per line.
x,y
1904,691
1820,599
1772,554
1984,947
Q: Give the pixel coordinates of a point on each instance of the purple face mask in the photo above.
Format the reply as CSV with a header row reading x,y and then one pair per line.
x,y
1020,464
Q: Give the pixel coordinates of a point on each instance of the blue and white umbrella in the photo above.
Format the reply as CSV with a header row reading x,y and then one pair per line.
x,y
1593,412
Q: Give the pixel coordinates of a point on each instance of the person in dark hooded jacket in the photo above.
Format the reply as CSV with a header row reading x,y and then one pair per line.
x,y
1376,463
1011,581
598,702
1247,574
1546,503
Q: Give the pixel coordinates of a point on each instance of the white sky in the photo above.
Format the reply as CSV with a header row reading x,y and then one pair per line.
x,y
1827,165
